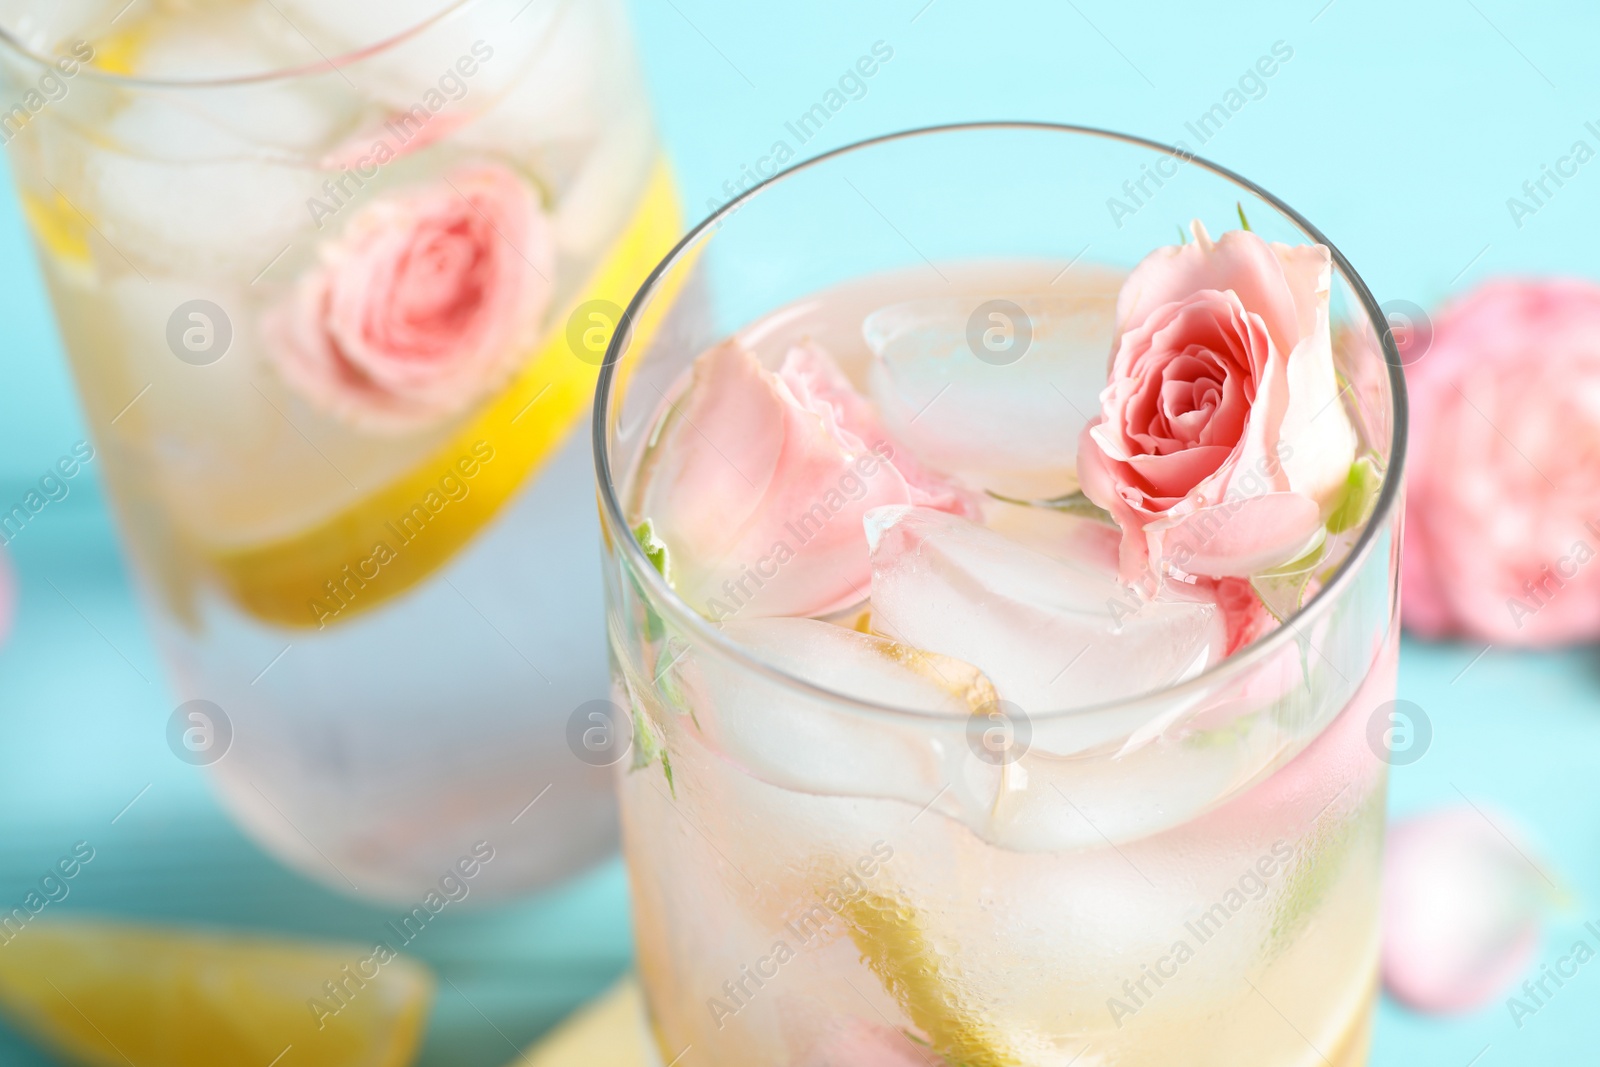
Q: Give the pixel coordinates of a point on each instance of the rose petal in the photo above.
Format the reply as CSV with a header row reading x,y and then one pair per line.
x,y
1239,261
820,385
1247,618
1462,910
1238,538
760,483
1175,474
1316,427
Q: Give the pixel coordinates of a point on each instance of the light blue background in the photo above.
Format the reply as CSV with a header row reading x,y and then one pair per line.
x,y
1399,129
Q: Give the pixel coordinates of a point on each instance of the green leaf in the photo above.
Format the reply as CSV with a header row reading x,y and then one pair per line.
x,y
1244,222
655,549
648,747
1183,238
1072,504
1357,497
1282,590
666,678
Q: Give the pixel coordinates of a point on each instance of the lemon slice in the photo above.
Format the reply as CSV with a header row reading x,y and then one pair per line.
x,y
108,994
607,1033
888,932
315,577
58,226
116,52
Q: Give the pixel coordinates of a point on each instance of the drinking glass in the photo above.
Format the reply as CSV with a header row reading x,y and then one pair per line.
x,y
1187,875
335,280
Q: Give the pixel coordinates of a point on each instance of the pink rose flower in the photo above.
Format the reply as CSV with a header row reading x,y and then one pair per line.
x,y
426,303
1219,444
8,597
760,483
1503,475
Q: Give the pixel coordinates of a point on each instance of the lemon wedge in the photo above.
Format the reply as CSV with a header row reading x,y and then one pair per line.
x,y
889,934
110,994
116,52
58,226
607,1033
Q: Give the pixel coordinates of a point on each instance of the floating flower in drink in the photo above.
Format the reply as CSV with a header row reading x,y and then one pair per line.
x,y
425,304
1221,448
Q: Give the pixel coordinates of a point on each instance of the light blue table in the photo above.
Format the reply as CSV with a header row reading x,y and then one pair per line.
x,y
1401,132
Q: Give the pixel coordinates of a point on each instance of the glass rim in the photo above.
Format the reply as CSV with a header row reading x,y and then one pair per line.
x,y
325,65
704,631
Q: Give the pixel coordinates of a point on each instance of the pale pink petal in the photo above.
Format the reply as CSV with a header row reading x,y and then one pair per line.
x,y
1238,538
1463,907
820,385
761,481
724,436
1098,476
1308,270
1239,261
1315,420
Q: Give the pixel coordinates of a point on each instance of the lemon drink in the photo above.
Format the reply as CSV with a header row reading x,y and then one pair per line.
x,y
334,282
920,775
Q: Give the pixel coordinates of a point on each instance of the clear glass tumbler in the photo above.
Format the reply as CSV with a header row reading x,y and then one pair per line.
x,y
1187,876
335,279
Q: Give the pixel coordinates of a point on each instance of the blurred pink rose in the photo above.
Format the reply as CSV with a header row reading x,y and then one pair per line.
x,y
8,596
1219,443
761,482
426,303
1503,470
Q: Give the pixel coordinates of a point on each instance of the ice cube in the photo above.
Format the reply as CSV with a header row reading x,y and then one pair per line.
x,y
559,82
524,62
186,195
279,116
1052,633
816,742
1009,421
